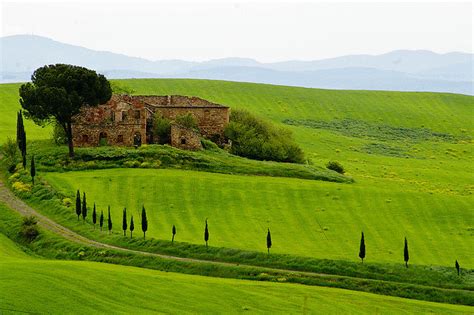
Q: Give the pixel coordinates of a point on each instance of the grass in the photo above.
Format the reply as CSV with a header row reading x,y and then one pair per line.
x,y
312,214
84,287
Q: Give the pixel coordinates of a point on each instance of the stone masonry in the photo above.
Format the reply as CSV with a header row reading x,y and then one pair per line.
x,y
128,120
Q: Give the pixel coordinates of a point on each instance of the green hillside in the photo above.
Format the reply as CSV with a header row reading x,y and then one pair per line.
x,y
85,288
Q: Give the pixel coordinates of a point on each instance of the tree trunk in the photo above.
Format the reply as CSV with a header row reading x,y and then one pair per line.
x,y
68,129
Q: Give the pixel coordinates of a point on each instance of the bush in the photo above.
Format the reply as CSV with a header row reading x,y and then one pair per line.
x,y
29,229
162,129
187,121
335,166
257,139
59,135
11,153
209,145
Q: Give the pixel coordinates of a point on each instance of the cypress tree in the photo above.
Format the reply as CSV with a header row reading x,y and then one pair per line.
x,y
84,207
101,220
206,234
269,241
21,137
458,268
405,253
78,204
362,248
173,232
144,221
94,216
33,169
109,221
132,226
124,221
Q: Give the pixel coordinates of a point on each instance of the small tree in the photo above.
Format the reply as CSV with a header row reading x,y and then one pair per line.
x,y
362,248
124,221
144,221
109,222
94,216
101,220
33,169
78,204
29,229
458,268
132,226
161,129
11,154
335,166
206,233
173,232
405,253
84,207
187,121
269,241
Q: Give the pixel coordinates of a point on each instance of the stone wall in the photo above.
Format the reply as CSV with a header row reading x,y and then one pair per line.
x,y
185,138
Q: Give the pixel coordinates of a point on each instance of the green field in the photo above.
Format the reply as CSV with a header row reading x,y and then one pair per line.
x,y
48,286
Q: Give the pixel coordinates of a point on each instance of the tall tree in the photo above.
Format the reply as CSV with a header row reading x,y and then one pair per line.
x,y
101,219
405,253
144,222
94,216
124,221
269,241
58,92
132,226
33,169
78,204
84,207
173,232
109,222
362,248
21,137
458,268
206,233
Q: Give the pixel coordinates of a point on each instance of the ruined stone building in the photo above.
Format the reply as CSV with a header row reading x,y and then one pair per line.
x,y
128,120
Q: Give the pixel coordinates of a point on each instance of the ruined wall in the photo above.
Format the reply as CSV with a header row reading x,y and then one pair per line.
x,y
185,138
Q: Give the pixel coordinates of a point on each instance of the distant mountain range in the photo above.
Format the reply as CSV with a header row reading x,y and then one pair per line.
x,y
401,70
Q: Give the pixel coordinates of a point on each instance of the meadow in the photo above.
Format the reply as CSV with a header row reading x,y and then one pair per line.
x,y
84,287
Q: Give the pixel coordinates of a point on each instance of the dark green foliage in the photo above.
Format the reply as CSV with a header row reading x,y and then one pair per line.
x,y
132,226
187,121
335,166
269,241
406,256
78,204
144,221
33,169
161,129
58,92
29,229
101,220
458,268
173,232
124,221
11,154
206,233
94,216
255,138
362,248
109,221
366,130
21,137
84,207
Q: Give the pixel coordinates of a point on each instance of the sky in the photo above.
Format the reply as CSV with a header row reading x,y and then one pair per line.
x,y
267,31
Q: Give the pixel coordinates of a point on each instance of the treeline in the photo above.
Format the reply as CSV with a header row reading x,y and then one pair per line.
x,y
258,139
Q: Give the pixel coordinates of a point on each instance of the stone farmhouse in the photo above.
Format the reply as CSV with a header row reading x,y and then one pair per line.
x,y
128,121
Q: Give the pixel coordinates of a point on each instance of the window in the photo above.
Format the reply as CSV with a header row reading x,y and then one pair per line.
x,y
137,114
112,116
85,138
120,138
124,115
183,141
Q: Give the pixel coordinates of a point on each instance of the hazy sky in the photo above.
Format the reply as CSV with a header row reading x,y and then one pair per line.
x,y
263,30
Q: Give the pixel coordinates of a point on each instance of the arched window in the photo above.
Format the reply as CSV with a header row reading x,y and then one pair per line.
x,y
183,141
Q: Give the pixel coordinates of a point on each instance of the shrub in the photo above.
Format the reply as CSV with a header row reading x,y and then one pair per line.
x,y
67,202
257,139
29,229
335,166
187,121
11,153
21,187
209,145
58,135
162,129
